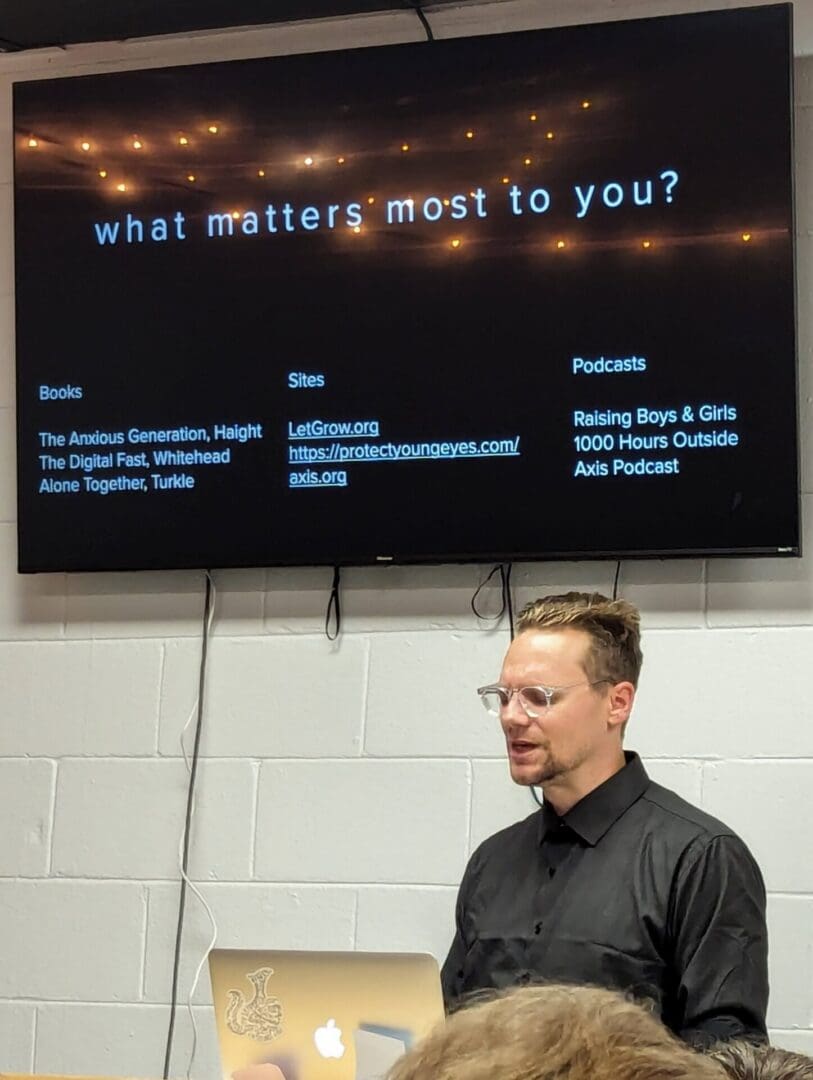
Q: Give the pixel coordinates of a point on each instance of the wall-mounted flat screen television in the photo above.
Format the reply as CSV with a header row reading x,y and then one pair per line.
x,y
515,296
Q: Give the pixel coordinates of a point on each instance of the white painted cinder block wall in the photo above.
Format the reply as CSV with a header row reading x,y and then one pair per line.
x,y
343,785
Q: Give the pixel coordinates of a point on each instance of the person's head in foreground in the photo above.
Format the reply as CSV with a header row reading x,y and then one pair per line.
x,y
554,1033
745,1061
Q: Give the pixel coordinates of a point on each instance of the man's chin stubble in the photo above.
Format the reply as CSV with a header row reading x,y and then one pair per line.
x,y
551,771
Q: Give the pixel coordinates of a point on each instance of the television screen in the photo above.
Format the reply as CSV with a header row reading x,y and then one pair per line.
x,y
526,295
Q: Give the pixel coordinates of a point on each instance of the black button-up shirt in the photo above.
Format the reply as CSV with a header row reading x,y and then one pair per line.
x,y
634,889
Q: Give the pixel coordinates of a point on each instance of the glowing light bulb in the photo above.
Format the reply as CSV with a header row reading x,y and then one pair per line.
x,y
236,215
212,129
560,244
260,172
137,143
456,243
370,200
533,117
469,134
121,187
746,237
309,161
526,161
506,179
85,145
32,142
646,243
357,228
404,147
340,160
586,104
103,173
191,178
447,202
549,135
183,141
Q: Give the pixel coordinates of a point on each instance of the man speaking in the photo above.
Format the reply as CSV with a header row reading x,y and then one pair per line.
x,y
615,881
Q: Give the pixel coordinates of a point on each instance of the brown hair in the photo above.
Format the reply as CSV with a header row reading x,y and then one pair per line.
x,y
554,1033
746,1061
614,627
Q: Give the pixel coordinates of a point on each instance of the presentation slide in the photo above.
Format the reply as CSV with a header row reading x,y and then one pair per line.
x,y
513,296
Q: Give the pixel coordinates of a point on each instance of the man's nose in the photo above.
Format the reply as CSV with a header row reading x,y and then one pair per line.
x,y
513,714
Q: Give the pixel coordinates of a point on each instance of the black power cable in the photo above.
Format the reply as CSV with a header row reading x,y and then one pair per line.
x,y
488,618
424,21
505,575
506,603
334,607
190,799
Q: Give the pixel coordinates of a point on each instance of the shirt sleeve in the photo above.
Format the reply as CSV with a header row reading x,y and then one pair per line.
x,y
720,944
452,974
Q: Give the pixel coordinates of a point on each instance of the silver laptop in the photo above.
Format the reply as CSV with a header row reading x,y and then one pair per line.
x,y
320,1015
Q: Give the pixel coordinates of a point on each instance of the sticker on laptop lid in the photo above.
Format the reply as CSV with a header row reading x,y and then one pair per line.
x,y
259,1018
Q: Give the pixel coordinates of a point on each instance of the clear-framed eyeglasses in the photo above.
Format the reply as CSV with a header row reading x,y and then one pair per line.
x,y
535,700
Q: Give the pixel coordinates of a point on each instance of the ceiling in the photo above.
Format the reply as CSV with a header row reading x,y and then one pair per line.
x,y
36,24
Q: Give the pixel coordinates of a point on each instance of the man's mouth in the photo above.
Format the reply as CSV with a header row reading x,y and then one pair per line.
x,y
521,746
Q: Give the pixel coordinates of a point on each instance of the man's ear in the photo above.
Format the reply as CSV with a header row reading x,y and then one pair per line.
x,y
620,698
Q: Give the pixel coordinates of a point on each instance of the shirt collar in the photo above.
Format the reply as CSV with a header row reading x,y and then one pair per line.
x,y
599,810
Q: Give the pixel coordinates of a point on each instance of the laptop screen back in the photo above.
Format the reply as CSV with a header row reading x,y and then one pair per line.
x,y
320,1016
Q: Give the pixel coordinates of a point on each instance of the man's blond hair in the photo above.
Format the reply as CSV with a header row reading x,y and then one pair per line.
x,y
746,1061
554,1033
614,627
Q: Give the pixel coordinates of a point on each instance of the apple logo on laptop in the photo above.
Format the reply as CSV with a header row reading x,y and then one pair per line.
x,y
328,1040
